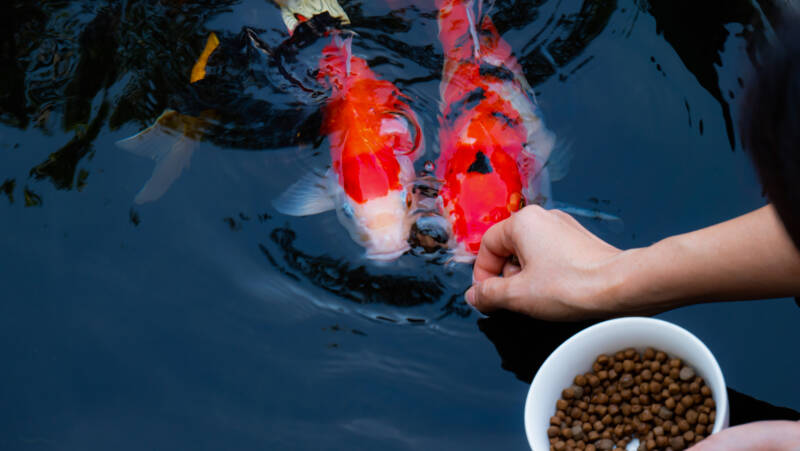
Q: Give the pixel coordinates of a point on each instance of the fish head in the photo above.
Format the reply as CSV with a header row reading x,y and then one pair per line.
x,y
381,224
479,195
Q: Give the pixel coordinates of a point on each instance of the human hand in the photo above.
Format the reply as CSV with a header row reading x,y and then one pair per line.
x,y
759,436
559,272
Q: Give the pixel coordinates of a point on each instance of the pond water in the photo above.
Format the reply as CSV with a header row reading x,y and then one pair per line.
x,y
208,320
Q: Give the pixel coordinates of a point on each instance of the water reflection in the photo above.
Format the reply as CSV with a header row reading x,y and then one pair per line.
x,y
699,31
354,282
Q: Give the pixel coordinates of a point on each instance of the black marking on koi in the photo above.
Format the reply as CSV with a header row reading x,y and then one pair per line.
x,y
470,100
506,118
481,164
498,72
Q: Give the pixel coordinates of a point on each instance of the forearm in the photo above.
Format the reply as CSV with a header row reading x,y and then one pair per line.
x,y
750,257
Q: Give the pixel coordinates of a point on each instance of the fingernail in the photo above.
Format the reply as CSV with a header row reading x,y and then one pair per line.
x,y
469,296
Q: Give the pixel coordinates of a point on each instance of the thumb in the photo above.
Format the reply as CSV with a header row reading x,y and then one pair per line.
x,y
492,294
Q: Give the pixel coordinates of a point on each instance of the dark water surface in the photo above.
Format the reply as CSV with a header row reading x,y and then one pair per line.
x,y
206,320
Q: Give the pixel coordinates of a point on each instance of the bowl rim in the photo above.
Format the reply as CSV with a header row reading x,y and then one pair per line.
x,y
720,421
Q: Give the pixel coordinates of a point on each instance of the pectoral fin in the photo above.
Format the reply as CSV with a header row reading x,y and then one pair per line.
x,y
310,195
588,213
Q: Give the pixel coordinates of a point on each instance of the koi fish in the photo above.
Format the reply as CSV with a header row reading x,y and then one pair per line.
x,y
494,144
374,138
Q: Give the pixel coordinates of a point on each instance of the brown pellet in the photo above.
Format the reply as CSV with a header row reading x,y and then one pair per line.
x,y
625,381
627,366
677,443
578,391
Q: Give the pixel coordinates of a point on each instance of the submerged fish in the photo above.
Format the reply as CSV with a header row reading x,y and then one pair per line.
x,y
494,144
170,141
374,138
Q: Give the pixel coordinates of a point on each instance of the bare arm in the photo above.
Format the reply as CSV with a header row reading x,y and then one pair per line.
x,y
567,273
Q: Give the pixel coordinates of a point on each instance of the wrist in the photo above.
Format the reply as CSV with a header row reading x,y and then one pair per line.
x,y
632,282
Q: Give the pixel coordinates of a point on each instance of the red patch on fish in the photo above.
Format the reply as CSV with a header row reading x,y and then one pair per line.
x,y
368,125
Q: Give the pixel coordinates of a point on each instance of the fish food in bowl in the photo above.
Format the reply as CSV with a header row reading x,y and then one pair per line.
x,y
650,396
630,383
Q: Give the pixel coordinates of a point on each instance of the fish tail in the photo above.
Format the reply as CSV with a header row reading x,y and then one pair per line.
x,y
170,141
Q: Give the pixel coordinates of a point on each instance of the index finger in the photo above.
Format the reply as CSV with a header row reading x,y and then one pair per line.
x,y
496,247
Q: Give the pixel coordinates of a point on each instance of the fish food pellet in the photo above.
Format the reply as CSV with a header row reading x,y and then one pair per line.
x,y
650,396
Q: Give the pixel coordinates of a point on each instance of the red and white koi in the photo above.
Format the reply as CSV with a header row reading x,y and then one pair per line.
x,y
374,138
494,144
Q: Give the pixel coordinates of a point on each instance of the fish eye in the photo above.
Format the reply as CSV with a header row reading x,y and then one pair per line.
x,y
347,209
407,197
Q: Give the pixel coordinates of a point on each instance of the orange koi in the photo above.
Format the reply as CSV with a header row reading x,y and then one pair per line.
x,y
374,138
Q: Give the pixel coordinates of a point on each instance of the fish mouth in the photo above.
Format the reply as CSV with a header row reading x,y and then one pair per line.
x,y
430,232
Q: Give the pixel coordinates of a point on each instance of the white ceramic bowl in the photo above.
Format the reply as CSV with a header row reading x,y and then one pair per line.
x,y
578,353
